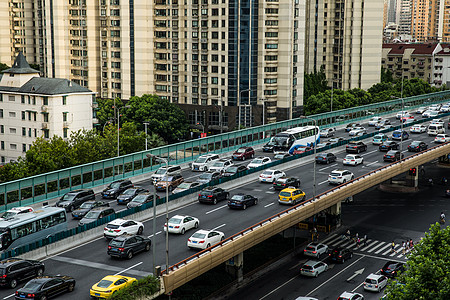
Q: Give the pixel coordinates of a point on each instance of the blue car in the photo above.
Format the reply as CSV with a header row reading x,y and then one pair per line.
x,y
397,135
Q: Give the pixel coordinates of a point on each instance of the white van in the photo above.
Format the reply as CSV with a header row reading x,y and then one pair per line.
x,y
165,171
435,129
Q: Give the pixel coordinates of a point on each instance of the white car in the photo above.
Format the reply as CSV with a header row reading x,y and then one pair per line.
x,y
421,110
121,226
350,296
401,114
375,282
270,175
340,176
315,250
384,127
419,128
444,108
203,239
220,165
203,162
374,121
442,138
435,107
327,132
258,162
430,114
313,268
437,121
353,160
357,131
181,224
10,213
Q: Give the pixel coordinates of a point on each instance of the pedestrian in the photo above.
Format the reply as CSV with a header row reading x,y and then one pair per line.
x,y
365,239
393,247
358,241
403,247
356,237
411,244
348,234
407,245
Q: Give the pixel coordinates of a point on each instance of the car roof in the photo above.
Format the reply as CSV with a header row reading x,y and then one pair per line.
x,y
374,276
289,189
178,216
21,208
339,170
210,188
208,155
116,277
204,231
100,208
123,237
117,222
311,263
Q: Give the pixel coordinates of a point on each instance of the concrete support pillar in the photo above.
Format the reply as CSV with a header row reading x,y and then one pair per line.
x,y
235,266
412,177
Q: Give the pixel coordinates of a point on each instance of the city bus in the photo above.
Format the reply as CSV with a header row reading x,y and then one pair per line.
x,y
24,229
295,137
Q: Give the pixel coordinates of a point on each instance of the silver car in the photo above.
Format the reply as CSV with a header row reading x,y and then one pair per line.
x,y
313,268
315,250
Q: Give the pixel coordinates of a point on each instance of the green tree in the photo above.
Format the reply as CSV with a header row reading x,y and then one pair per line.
x,y
386,75
315,83
427,273
106,111
3,67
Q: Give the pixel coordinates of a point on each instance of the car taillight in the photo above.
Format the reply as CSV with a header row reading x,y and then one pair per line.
x,y
189,240
290,199
117,230
353,160
340,177
4,276
376,285
201,242
209,196
177,226
314,252
304,250
340,256
121,249
30,295
109,247
199,195
165,225
105,228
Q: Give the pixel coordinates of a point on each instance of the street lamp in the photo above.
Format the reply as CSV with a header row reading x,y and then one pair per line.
x,y
145,125
167,211
239,105
220,113
107,122
118,127
315,152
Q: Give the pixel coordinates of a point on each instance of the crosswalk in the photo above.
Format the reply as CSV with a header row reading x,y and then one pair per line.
x,y
372,247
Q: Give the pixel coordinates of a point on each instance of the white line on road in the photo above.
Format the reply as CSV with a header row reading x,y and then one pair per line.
x,y
216,209
270,192
383,248
270,204
9,296
150,236
379,245
327,167
219,226
371,163
124,270
369,152
323,182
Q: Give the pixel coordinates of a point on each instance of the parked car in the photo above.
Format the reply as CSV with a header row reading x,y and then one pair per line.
x,y
393,155
10,213
418,128
327,132
15,270
270,175
375,282
392,268
209,176
417,146
96,214
203,239
339,254
284,182
258,162
115,188
120,226
126,245
340,176
165,171
350,296
110,284
397,135
220,165
212,194
243,153
313,268
355,147
315,250
242,201
181,224
171,182
378,139
291,196
46,287
184,186
86,207
388,145
129,194
233,170
203,162
353,160
73,199
141,199
442,138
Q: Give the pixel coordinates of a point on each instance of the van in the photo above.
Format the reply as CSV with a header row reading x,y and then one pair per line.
x,y
435,129
165,171
203,162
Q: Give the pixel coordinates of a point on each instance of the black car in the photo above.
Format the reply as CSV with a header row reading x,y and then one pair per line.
x,y
127,245
284,182
339,254
355,147
233,170
129,194
391,268
350,126
242,201
13,270
269,147
209,176
87,206
73,199
46,287
212,194
115,188
417,146
393,155
325,158
388,145
96,214
141,199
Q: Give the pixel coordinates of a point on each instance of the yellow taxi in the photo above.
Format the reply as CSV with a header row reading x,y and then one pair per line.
x,y
110,284
291,196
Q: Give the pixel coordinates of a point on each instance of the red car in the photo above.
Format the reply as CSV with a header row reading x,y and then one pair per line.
x,y
243,153
302,149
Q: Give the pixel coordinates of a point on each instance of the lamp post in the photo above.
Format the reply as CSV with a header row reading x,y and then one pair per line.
x,y
263,110
118,127
107,122
220,112
145,125
315,152
203,126
239,105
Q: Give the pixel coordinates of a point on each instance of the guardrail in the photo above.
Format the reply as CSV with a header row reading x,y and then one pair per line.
x,y
209,258
50,185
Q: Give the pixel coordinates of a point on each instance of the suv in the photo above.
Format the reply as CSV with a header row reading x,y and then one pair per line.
x,y
165,171
202,163
129,194
243,153
220,165
340,176
96,214
354,146
73,199
10,213
327,132
126,245
350,296
339,254
115,188
13,270
169,181
212,194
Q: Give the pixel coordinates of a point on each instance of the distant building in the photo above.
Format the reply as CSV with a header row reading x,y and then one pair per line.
x,y
390,33
441,68
32,106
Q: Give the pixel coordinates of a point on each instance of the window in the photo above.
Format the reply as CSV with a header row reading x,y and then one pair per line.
x,y
65,116
271,10
12,114
270,57
13,146
65,132
44,100
24,147
1,113
271,34
271,22
64,100
46,133
2,145
22,99
23,115
270,80
270,69
271,46
24,131
2,129
270,92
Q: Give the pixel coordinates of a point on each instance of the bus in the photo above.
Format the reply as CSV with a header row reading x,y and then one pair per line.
x,y
24,229
295,137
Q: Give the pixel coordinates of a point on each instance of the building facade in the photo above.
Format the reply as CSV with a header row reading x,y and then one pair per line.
x,y
33,106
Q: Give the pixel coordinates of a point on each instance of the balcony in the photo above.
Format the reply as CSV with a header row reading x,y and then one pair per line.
x,y
44,108
44,126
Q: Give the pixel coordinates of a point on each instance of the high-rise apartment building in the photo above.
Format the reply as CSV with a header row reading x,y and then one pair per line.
x,y
427,19
403,17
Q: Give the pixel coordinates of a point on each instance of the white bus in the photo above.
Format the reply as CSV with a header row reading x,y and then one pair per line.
x,y
24,229
295,137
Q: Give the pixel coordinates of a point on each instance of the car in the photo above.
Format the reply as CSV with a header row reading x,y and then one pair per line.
x,y
339,176
184,186
165,171
340,254
110,284
243,153
327,132
10,213
129,194
418,128
86,207
444,108
393,155
220,165
378,139
417,146
269,146
126,245
115,188
401,114
353,160
242,201
46,287
73,199
435,107
15,270
209,176
284,182
120,226
141,199
355,147
313,268
212,194
398,135
291,196
306,298
233,170
430,114
421,110
350,296
270,175
388,145
336,140
437,121
203,162
181,224
357,131
392,268
384,122
325,158
384,127
281,155
350,126
374,120
407,119
96,214
203,239
315,250
170,182
259,161
323,144
301,149
442,138
375,282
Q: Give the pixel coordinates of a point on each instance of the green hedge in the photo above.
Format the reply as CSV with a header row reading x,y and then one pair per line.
x,y
139,290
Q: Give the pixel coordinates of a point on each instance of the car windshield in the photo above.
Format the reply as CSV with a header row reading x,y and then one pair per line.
x,y
267,172
87,205
387,143
240,150
278,156
206,176
184,185
160,171
114,185
68,197
285,194
257,161
167,178
237,197
231,169
92,215
200,160
279,140
174,220
218,164
139,198
349,157
104,283
112,226
335,174
391,153
368,280
32,286
9,214
378,136
129,192
199,235
282,180
322,155
415,143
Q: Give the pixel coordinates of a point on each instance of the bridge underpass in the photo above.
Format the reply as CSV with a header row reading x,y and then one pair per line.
x,y
190,268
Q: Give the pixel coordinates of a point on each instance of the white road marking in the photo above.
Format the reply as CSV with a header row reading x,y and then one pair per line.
x,y
327,167
330,238
323,182
216,209
257,190
270,204
9,296
369,152
373,249
371,163
150,236
370,245
124,270
219,226
270,192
